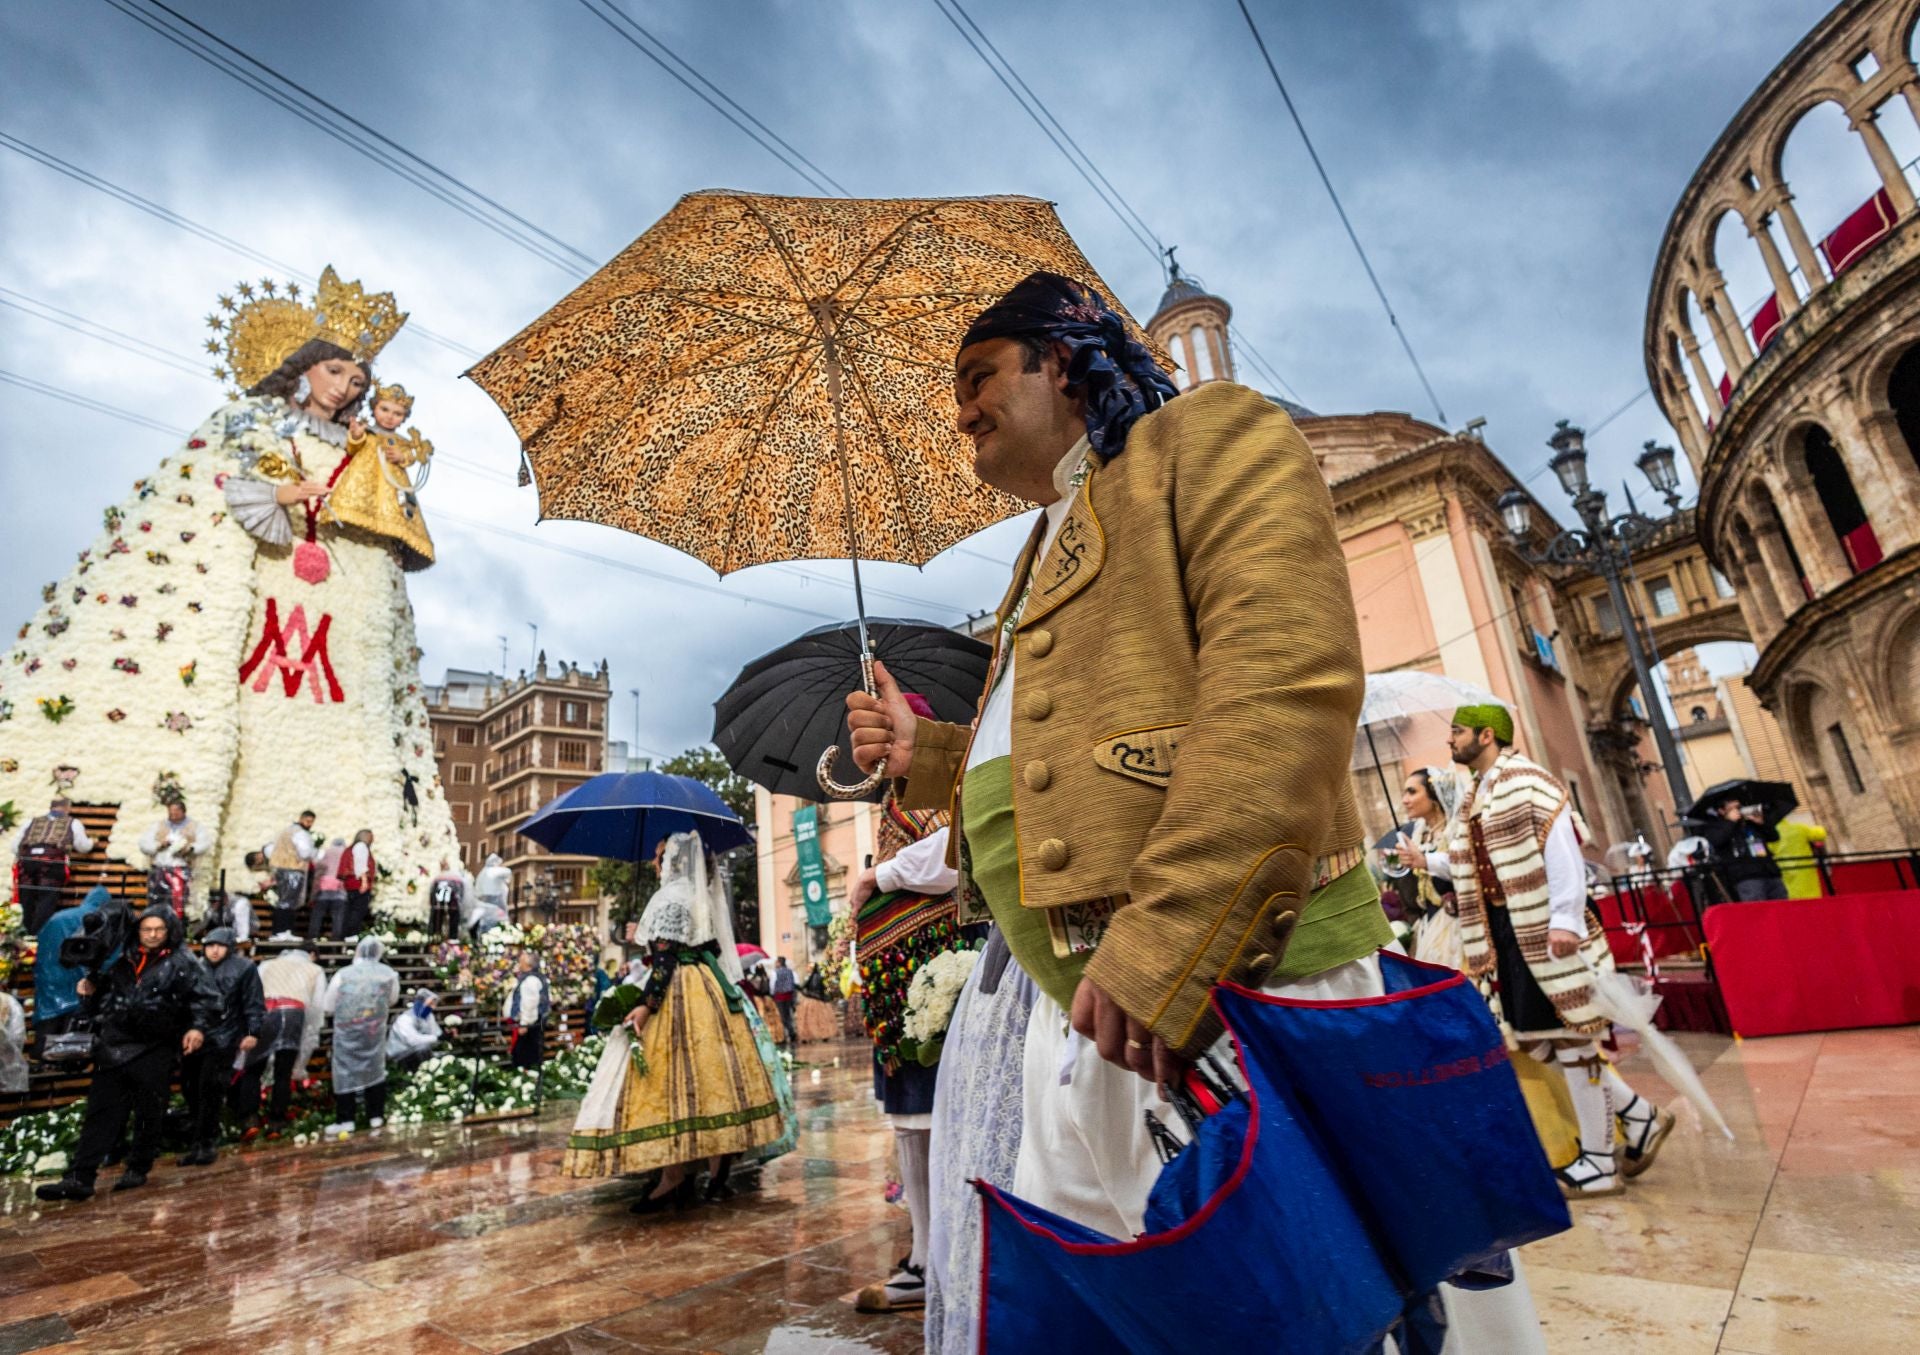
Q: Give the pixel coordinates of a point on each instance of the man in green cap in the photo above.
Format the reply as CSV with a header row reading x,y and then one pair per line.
x,y
1521,886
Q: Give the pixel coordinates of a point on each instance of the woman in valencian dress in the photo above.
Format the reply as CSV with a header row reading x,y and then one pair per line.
x,y
240,633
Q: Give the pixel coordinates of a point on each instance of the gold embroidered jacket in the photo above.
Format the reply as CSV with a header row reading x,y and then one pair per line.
x,y
1188,681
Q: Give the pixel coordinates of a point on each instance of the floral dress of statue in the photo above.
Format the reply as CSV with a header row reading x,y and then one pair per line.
x,y
239,634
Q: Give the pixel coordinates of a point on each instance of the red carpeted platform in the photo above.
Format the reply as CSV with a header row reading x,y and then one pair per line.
x,y
1818,964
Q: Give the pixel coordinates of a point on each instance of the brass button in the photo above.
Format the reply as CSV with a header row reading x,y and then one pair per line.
x,y
1039,706
1038,775
1053,854
1040,643
1263,963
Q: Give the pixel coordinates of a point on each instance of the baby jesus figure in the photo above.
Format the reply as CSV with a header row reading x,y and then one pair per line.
x,y
379,490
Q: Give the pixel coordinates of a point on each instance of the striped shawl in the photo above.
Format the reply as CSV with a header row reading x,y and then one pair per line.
x,y
1514,805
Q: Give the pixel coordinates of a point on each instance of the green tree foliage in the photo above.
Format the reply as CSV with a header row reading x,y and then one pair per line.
x,y
630,886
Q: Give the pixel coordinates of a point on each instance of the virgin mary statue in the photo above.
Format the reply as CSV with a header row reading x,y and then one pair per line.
x,y
238,636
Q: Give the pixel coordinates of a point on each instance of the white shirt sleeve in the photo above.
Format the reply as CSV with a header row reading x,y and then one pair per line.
x,y
360,860
81,842
1440,865
303,845
1566,878
920,866
150,840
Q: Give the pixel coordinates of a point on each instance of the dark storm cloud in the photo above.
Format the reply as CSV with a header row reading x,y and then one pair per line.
x,y
1509,165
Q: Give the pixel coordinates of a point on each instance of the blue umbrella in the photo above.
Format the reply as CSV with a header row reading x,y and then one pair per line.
x,y
622,816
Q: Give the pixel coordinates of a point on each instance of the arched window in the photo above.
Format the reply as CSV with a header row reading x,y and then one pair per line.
x,y
1844,512
1202,354
1903,393
1698,714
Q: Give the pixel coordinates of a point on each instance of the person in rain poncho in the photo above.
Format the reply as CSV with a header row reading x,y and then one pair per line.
x,y
296,994
447,905
13,1044
698,1087
489,895
358,999
414,1033
151,1005
524,1011
56,985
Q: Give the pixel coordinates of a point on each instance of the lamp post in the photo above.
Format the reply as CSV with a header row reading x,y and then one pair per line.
x,y
1604,546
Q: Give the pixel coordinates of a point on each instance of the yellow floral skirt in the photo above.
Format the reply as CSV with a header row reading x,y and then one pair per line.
x,y
704,1091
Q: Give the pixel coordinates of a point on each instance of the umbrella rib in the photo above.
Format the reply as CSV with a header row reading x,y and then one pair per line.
x,y
781,392
786,258
880,431
890,243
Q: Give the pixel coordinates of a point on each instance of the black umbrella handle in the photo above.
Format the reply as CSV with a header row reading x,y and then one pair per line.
x,y
823,770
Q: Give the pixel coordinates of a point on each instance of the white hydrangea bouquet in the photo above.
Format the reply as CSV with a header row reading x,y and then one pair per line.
x,y
930,1000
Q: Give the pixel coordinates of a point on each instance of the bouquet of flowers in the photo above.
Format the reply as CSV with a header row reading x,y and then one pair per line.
x,y
936,987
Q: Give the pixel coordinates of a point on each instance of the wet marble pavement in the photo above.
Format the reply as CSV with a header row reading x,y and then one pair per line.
x,y
1801,1236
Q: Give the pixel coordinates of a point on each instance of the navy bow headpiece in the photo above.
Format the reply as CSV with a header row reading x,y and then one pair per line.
x,y
1116,373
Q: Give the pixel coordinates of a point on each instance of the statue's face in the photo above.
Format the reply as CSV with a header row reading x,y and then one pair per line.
x,y
335,382
389,414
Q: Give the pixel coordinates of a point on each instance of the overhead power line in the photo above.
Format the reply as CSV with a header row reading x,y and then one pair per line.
x,y
85,402
281,89
1352,235
1083,164
642,40
79,324
194,228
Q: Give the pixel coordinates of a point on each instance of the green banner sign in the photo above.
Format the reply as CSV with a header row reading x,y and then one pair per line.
x,y
813,869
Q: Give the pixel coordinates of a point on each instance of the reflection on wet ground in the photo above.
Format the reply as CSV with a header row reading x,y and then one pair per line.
x,y
1802,1236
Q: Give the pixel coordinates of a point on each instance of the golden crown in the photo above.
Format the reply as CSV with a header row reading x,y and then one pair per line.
x,y
270,322
396,393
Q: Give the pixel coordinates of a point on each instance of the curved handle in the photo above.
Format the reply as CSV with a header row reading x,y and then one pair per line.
x,y
823,770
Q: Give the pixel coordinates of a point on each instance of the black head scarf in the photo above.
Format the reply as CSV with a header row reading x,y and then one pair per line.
x,y
1114,372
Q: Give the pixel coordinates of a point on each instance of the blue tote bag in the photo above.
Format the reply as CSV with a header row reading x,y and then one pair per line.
x,y
1276,1228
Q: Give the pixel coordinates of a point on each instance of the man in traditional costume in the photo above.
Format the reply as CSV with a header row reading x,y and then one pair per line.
x,y
1520,886
1154,797
904,915
290,857
43,856
170,847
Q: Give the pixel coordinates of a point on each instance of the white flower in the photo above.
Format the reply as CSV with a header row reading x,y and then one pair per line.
x,y
51,1163
935,988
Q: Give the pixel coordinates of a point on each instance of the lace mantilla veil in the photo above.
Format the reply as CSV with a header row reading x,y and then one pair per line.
x,y
688,883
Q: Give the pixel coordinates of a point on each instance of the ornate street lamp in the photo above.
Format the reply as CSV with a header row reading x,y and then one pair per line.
x,y
1604,546
1569,457
1656,463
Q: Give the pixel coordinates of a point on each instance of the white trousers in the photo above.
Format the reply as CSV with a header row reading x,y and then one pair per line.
x,y
1085,1152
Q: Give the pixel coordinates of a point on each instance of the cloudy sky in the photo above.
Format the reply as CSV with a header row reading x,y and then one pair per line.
x,y
1510,166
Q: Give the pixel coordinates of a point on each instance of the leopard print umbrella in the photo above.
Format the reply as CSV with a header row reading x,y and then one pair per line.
x,y
759,378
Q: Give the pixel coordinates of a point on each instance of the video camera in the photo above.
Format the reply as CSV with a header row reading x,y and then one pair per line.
x,y
103,933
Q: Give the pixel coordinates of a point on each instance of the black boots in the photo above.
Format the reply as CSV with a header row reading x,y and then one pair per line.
x,y
66,1188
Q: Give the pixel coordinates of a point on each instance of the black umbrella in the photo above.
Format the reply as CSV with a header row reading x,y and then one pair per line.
x,y
1775,798
786,707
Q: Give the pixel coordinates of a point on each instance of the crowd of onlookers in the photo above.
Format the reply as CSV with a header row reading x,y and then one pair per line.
x,y
332,877
128,995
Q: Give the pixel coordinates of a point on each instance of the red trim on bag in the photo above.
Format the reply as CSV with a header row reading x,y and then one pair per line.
x,y
1146,1241
1453,977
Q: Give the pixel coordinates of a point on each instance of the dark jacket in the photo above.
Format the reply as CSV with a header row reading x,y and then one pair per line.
x,y
1733,855
243,1003
148,999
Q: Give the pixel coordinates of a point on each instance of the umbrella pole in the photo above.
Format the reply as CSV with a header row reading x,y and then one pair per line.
x,y
823,773
1379,772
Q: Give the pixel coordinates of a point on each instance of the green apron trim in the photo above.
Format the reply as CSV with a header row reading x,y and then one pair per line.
x,y
1342,922
986,810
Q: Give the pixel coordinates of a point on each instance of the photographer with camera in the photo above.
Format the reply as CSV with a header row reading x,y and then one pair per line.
x,y
152,1003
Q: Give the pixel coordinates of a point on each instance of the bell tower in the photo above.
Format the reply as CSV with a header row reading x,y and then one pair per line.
x,y
1191,324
